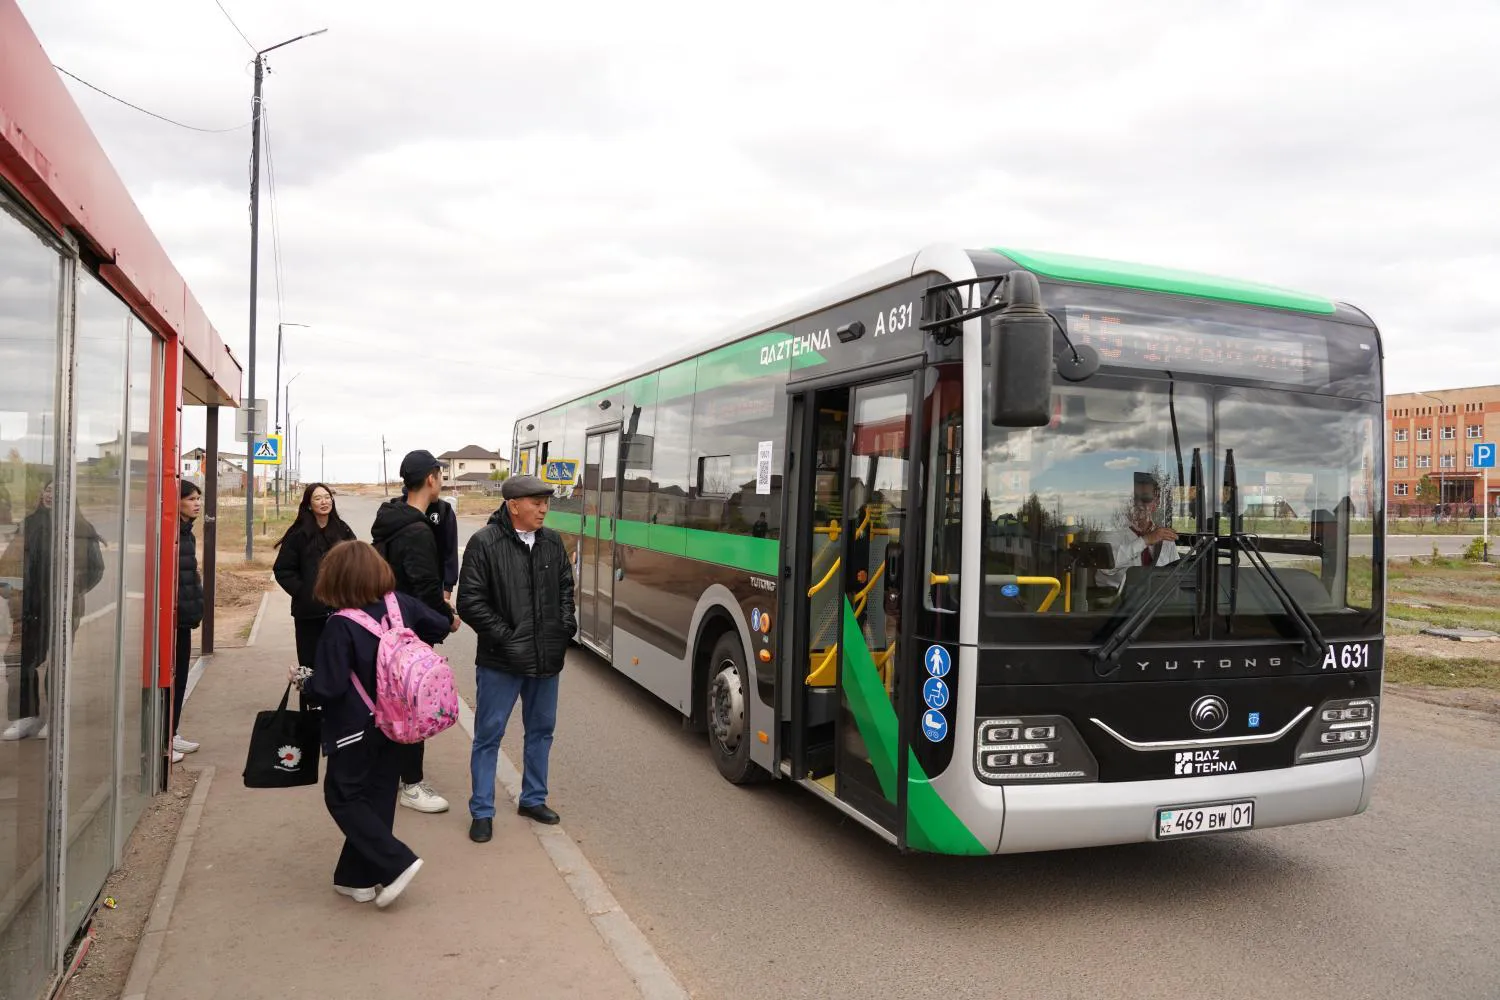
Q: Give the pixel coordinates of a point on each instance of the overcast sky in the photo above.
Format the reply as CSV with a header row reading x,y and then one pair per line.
x,y
483,205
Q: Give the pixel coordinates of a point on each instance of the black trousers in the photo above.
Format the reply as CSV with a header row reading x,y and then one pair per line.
x,y
309,631
180,675
409,758
359,789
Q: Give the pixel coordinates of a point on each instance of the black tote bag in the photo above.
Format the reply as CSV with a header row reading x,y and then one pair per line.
x,y
284,748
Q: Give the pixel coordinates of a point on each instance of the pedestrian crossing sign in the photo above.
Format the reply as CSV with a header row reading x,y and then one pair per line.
x,y
268,450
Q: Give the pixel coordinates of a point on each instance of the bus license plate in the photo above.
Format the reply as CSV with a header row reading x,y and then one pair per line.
x,y
1204,819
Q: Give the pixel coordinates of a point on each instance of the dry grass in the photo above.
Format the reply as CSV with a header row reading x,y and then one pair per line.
x,y
1447,593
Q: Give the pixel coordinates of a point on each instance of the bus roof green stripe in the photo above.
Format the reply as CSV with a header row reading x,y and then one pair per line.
x,y
1097,271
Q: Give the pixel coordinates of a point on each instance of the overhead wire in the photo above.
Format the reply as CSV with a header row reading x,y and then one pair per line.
x,y
137,107
236,27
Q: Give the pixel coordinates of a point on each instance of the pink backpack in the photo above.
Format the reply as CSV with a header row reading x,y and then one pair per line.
x,y
414,695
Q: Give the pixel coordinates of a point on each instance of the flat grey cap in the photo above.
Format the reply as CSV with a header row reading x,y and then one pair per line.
x,y
524,486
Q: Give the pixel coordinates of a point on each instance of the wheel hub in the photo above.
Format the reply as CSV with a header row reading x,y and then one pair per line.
x,y
727,708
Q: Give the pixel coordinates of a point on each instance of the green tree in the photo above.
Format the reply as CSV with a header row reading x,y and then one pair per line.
x,y
1427,491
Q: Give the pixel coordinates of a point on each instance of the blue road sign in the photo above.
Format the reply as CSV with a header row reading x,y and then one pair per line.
x,y
268,450
1483,457
934,726
561,471
937,661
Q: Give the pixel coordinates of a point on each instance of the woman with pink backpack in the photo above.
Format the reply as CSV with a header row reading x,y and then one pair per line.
x,y
372,623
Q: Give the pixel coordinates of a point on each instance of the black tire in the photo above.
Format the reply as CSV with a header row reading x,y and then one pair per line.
x,y
726,697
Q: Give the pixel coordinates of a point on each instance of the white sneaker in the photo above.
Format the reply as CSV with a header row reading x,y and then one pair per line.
x,y
184,746
388,895
422,798
22,728
358,895
177,756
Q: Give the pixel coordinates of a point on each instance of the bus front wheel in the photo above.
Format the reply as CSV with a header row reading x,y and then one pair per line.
x,y
728,714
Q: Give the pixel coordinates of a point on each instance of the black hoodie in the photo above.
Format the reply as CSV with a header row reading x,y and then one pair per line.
x,y
402,535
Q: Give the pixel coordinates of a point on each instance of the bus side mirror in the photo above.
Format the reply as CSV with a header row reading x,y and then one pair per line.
x,y
1021,356
893,564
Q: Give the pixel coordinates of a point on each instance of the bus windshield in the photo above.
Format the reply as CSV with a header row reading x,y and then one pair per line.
x,y
1102,501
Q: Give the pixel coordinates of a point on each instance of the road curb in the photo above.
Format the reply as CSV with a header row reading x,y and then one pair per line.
x,y
624,939
260,614
154,934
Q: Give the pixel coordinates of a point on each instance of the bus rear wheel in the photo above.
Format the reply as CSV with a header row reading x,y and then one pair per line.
x,y
727,712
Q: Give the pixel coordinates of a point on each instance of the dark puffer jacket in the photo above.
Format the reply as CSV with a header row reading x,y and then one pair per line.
x,y
518,600
297,564
403,537
189,583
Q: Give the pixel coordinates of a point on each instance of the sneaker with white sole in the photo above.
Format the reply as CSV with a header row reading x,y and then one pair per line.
x,y
422,798
388,895
22,728
41,734
177,756
184,746
358,895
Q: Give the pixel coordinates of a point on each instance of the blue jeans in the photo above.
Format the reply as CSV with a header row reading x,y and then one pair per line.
x,y
497,697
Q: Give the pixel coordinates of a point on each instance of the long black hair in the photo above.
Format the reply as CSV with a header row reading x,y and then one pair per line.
x,y
307,521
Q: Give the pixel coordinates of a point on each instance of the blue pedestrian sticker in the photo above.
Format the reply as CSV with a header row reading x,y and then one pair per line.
x,y
755,619
935,693
1010,590
934,726
937,661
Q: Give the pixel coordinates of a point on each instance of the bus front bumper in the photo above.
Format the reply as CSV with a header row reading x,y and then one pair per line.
x,y
1059,817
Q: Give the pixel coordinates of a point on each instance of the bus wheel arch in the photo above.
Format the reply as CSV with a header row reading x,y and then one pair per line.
x,y
723,684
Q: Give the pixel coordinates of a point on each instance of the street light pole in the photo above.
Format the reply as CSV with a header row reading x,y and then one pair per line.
x,y
287,414
260,75
276,407
1436,447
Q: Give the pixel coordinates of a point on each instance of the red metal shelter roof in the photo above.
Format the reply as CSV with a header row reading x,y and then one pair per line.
x,y
50,155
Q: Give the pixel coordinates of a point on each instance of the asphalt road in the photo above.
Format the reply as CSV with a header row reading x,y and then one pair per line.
x,y
767,892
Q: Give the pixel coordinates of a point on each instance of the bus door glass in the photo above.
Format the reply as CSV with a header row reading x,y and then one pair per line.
x,y
876,486
596,565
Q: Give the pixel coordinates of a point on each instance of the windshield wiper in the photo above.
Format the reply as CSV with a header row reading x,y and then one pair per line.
x,y
1130,629
1312,638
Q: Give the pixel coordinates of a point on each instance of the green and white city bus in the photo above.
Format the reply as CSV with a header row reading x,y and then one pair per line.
x,y
1001,551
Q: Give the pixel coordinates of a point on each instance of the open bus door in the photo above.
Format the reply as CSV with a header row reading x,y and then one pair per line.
x,y
850,494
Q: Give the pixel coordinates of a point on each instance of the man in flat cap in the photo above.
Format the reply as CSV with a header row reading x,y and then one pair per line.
x,y
515,590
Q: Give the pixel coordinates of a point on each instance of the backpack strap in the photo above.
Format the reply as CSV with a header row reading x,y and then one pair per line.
x,y
360,618
393,611
363,694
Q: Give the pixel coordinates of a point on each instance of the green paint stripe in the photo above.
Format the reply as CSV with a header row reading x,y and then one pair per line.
x,y
873,712
1097,271
930,824
753,555
560,521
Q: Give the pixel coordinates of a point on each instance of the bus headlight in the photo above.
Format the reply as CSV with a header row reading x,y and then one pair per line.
x,y
1343,728
1030,749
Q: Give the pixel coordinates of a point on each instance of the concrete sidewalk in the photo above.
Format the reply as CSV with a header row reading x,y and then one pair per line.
x,y
255,915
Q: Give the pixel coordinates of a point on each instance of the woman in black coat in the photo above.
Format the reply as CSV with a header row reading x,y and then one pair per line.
x,y
317,529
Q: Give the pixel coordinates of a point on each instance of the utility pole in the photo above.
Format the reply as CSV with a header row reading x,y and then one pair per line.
x,y
276,406
385,481
323,463
260,75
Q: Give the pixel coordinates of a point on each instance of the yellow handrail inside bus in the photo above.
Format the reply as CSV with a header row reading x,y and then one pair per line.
x,y
1003,578
863,595
822,674
859,531
824,582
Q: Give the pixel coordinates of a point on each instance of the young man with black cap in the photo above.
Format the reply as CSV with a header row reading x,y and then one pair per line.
x,y
516,592
403,536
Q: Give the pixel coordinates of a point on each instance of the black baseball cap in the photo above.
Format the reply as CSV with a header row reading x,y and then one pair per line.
x,y
418,463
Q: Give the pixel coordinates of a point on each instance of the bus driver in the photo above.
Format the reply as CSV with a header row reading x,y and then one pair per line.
x,y
1141,542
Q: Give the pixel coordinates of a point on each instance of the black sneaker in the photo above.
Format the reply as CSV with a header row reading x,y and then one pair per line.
x,y
480,830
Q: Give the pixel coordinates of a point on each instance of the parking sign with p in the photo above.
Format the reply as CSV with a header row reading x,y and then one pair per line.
x,y
1483,457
